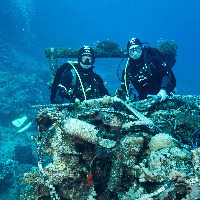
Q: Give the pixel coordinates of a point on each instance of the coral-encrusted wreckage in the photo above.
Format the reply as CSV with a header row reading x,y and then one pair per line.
x,y
110,149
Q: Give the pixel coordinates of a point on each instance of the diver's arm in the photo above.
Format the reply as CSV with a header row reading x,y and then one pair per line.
x,y
166,77
165,82
63,93
58,99
57,80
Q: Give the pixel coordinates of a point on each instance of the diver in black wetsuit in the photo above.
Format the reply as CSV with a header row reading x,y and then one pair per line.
x,y
147,71
77,80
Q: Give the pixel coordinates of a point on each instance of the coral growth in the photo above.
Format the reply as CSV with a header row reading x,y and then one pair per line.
x,y
21,83
89,150
107,45
167,48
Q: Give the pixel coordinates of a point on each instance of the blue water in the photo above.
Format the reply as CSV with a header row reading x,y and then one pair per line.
x,y
30,26
40,24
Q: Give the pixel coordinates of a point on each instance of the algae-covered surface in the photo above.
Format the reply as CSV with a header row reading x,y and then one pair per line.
x,y
110,149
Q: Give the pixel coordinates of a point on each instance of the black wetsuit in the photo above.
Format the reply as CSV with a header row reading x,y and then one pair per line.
x,y
68,84
148,74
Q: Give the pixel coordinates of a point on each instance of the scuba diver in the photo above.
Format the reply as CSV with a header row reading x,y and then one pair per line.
x,y
77,80
148,72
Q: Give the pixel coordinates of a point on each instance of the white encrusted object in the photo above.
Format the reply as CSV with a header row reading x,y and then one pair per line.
x,y
85,131
80,129
160,141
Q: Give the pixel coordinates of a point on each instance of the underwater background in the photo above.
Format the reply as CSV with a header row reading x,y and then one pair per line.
x,y
27,27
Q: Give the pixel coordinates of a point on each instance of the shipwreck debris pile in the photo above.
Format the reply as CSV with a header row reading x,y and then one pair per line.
x,y
109,149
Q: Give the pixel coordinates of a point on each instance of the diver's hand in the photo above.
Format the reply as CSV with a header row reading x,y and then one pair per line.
x,y
162,94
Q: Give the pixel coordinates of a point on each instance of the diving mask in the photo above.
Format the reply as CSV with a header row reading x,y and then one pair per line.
x,y
86,60
135,51
135,48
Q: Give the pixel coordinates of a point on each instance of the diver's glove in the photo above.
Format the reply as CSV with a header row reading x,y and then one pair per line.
x,y
162,94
